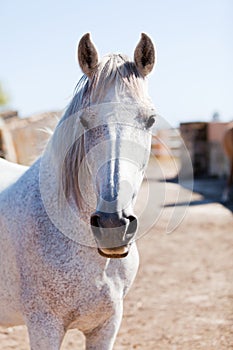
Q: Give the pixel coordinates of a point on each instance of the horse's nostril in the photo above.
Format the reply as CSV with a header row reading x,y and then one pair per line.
x,y
95,220
132,218
133,223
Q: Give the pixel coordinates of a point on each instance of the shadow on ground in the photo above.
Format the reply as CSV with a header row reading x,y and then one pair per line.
x,y
210,188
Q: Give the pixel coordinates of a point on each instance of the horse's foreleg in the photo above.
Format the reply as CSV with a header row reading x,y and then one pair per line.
x,y
103,337
45,332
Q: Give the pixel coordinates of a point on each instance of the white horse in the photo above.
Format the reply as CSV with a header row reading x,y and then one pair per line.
x,y
65,220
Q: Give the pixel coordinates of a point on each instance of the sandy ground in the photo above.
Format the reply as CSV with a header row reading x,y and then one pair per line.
x,y
182,298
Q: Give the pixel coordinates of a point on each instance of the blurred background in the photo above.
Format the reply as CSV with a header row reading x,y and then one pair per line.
x,y
193,79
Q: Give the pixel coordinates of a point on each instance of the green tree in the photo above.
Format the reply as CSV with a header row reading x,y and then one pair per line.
x,y
4,98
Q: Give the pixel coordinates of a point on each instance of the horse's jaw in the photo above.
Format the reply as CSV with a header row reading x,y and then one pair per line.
x,y
114,253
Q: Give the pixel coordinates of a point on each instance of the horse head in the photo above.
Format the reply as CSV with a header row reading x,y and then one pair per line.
x,y
118,142
102,143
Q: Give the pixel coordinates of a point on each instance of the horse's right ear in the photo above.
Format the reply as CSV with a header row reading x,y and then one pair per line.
x,y
87,55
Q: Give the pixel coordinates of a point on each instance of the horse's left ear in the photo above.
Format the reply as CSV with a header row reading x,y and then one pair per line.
x,y
144,55
87,55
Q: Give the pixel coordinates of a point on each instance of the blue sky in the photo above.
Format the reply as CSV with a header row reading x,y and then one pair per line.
x,y
193,77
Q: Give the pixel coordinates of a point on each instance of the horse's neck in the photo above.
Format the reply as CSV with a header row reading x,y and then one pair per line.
x,y
65,215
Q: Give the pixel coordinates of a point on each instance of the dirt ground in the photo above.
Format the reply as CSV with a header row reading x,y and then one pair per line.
x,y
182,298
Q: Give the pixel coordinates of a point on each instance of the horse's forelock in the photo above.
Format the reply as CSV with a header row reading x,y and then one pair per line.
x,y
118,71
114,69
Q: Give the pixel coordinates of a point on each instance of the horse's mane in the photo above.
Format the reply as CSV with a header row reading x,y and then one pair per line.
x,y
113,69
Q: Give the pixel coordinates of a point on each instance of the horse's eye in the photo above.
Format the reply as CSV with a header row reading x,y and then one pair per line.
x,y
150,121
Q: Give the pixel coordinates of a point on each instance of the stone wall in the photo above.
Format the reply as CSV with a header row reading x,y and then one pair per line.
x,y
22,140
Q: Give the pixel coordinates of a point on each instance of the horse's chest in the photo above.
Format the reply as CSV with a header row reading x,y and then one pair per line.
x,y
90,302
82,295
73,281
93,302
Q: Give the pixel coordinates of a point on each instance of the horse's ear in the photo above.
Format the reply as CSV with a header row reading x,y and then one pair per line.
x,y
144,55
87,55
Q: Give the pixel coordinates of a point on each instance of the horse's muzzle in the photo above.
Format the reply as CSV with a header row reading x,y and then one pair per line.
x,y
113,233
